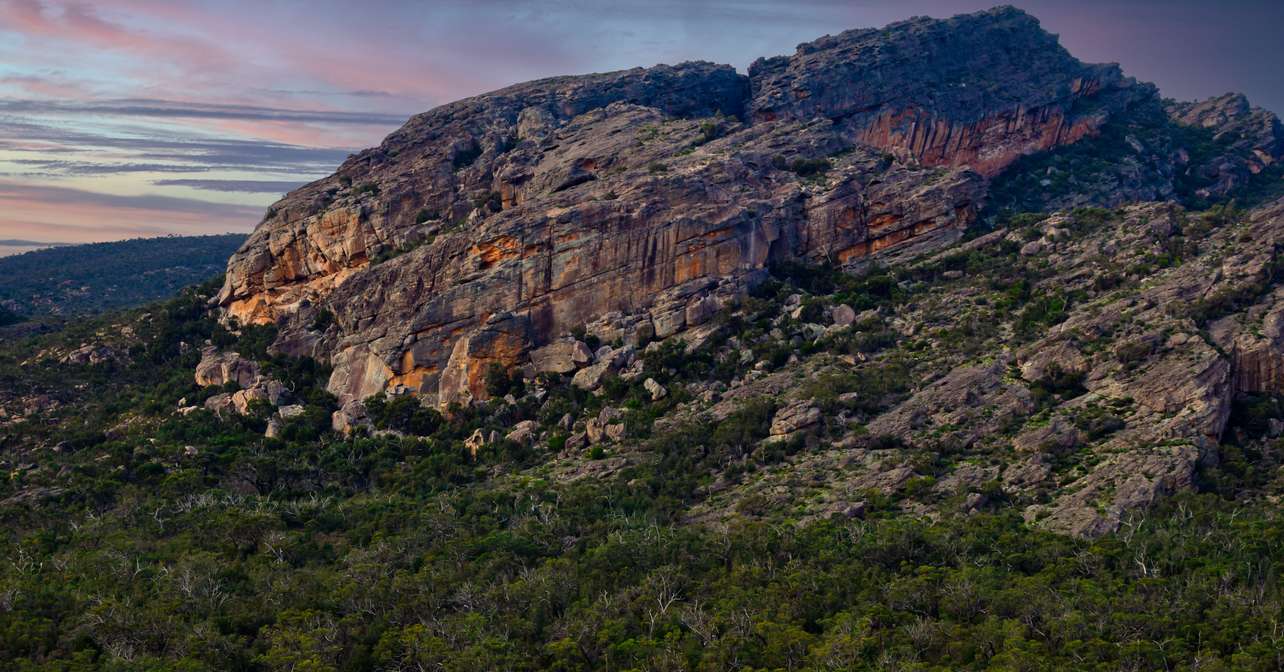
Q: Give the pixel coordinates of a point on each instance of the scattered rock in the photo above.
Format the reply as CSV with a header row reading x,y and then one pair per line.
x,y
90,354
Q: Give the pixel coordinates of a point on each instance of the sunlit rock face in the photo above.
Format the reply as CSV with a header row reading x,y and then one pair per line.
x,y
496,224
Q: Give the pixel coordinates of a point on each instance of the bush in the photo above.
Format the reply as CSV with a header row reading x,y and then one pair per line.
x,y
803,167
8,317
465,157
324,318
499,381
403,414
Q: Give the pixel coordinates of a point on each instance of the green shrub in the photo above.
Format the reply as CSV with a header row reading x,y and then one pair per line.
x,y
403,414
500,381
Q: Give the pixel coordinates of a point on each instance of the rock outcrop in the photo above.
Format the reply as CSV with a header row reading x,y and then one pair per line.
x,y
1248,140
218,369
979,90
637,204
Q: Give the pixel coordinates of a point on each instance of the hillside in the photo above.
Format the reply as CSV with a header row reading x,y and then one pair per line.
x,y
861,361
86,279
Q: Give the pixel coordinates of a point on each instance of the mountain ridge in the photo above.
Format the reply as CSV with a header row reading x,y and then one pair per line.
x,y
68,280
452,174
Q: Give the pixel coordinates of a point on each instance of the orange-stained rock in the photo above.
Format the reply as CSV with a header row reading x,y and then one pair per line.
x,y
978,90
501,341
555,203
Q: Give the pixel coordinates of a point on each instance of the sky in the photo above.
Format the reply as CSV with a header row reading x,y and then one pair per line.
x,y
129,118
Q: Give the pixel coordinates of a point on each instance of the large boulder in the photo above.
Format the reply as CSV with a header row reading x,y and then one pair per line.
x,y
797,416
218,368
561,356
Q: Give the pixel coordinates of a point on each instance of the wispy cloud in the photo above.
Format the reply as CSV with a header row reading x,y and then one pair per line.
x,y
244,186
187,110
196,151
67,214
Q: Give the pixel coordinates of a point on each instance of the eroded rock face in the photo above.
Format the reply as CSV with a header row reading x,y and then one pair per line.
x,y
979,90
550,205
428,174
634,238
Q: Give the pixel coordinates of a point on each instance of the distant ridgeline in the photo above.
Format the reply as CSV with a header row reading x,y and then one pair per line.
x,y
85,279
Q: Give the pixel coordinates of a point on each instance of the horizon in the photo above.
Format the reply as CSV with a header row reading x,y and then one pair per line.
x,y
140,118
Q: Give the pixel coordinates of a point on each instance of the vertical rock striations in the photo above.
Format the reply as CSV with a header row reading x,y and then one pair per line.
x,y
493,225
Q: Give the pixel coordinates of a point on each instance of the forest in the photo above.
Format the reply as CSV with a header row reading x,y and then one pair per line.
x,y
138,538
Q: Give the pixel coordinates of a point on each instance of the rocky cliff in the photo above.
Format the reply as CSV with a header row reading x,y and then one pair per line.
x,y
977,90
491,226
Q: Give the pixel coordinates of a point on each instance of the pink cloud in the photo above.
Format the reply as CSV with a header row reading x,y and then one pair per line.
x,y
304,135
46,87
78,24
57,214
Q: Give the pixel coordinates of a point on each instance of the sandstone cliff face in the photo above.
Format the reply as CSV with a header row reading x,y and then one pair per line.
x,y
430,172
434,319
496,224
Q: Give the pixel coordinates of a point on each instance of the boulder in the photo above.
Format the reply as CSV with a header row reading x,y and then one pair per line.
x,y
575,442
350,417
609,360
656,390
590,377
475,442
218,368
794,417
842,315
523,432
561,356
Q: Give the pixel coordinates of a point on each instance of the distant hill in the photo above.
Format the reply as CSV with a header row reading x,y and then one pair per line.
x,y
17,242
87,279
